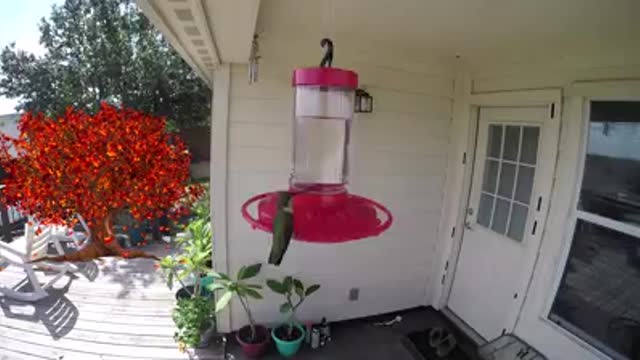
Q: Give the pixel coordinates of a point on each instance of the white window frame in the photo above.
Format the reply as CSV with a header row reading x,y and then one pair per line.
x,y
591,92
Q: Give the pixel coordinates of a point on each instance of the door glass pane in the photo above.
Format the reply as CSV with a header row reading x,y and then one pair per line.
x,y
525,184
507,178
494,142
517,222
505,181
599,295
511,143
490,176
529,151
500,216
484,210
611,180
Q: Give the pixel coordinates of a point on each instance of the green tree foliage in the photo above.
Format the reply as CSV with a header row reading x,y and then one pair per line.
x,y
104,50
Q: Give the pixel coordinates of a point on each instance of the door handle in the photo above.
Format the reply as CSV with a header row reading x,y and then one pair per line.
x,y
467,225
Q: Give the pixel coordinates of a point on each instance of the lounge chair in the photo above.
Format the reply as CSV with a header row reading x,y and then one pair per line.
x,y
21,251
65,234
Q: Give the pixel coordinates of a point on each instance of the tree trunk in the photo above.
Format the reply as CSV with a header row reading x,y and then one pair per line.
x,y
101,244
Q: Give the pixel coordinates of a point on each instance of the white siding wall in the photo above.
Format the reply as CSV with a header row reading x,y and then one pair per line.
x,y
398,158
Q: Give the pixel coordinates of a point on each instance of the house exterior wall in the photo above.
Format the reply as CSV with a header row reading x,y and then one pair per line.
x,y
398,157
9,124
598,74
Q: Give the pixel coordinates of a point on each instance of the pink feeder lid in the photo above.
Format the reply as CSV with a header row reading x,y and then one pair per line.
x,y
325,76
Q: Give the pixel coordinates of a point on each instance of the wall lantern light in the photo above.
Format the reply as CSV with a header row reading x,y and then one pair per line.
x,y
363,102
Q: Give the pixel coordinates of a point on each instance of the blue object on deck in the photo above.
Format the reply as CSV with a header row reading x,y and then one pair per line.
x,y
135,235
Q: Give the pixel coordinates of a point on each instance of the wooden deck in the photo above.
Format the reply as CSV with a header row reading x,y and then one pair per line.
x,y
113,309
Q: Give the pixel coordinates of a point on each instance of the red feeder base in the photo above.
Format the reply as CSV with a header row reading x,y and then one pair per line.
x,y
323,218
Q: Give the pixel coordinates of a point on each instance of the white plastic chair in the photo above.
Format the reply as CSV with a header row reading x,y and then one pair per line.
x,y
65,234
24,249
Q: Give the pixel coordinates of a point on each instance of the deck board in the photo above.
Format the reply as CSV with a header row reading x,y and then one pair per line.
x,y
111,309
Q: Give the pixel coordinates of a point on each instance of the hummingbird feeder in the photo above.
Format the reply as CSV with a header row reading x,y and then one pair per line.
x,y
323,210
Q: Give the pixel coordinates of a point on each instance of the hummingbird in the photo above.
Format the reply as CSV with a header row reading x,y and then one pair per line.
x,y
282,227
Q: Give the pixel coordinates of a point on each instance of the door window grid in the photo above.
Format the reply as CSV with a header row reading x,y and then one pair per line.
x,y
497,184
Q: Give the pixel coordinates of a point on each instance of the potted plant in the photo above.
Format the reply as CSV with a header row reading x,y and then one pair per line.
x,y
289,336
194,313
192,258
253,338
195,322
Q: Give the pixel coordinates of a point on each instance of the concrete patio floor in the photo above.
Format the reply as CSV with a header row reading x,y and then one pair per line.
x,y
360,340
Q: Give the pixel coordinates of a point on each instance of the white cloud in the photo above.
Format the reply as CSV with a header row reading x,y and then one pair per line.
x,y
7,106
30,44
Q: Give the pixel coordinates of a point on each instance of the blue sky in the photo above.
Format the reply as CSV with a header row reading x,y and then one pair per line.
x,y
19,23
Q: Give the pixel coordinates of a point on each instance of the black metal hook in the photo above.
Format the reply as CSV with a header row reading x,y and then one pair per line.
x,y
327,59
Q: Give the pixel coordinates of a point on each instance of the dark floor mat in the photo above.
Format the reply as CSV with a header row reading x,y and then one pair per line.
x,y
421,349
418,341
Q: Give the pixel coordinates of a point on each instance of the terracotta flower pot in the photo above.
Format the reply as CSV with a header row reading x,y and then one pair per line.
x,y
255,349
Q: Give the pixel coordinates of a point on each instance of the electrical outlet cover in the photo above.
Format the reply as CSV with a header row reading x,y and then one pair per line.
x,y
354,294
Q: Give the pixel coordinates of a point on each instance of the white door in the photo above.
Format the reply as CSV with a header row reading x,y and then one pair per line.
x,y
501,233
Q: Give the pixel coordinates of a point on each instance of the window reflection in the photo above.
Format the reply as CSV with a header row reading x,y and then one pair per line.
x,y
599,296
611,182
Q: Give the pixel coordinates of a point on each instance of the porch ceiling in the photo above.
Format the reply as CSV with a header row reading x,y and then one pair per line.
x,y
205,32
483,32
480,31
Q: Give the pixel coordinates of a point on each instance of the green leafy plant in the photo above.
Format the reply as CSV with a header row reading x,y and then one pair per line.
x,y
240,288
290,288
193,256
192,317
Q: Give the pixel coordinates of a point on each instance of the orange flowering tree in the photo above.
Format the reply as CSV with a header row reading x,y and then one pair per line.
x,y
95,166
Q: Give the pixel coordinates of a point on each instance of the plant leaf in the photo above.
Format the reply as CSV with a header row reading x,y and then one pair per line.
x,y
241,272
252,293
250,271
220,276
288,283
223,301
254,286
285,308
311,289
214,286
298,287
170,280
276,286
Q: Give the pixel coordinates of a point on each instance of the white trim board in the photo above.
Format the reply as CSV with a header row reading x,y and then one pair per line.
x,y
456,178
517,98
606,90
219,173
